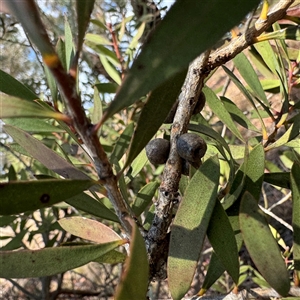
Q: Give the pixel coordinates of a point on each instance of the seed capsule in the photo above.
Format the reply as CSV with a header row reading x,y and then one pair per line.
x,y
200,104
191,147
157,151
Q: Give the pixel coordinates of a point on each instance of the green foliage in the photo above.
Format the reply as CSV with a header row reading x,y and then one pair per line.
x,y
49,172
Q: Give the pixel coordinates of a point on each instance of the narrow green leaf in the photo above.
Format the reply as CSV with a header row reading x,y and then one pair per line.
x,y
267,53
221,237
155,64
295,187
43,154
281,179
84,9
91,206
136,166
16,242
97,109
33,125
51,84
12,107
111,71
241,87
50,261
159,103
262,246
218,109
6,220
89,229
289,33
11,86
214,272
107,87
98,39
190,225
111,257
269,84
122,143
289,135
134,285
249,74
22,196
237,115
144,197
69,47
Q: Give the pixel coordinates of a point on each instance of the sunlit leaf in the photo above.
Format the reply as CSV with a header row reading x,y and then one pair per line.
x,y
12,107
50,261
289,33
33,125
111,71
218,108
89,229
189,227
261,245
249,74
155,64
97,109
134,279
22,196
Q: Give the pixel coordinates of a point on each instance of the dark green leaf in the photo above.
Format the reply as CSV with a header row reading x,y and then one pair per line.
x,y
16,242
154,112
50,261
144,197
262,246
91,206
134,280
189,227
22,196
122,143
109,87
214,272
155,64
237,115
281,179
221,237
6,220
84,9
11,86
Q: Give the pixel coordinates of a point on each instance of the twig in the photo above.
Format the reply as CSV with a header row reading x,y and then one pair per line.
x,y
269,213
248,38
285,198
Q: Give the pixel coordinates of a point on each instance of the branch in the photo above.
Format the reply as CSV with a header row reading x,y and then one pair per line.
x,y
239,44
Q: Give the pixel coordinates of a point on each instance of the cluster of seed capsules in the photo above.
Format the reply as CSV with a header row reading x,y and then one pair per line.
x,y
190,146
